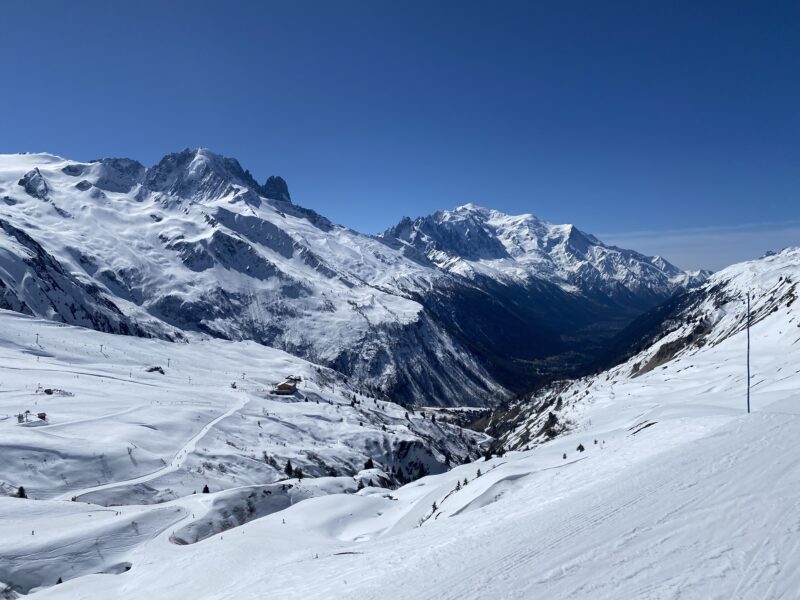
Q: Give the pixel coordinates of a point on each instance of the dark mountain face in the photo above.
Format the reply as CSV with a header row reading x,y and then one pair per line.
x,y
462,307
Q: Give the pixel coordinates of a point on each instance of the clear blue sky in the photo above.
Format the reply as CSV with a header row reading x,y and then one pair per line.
x,y
671,127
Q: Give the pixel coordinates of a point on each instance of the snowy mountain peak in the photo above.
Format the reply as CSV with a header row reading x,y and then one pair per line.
x,y
198,174
478,242
470,207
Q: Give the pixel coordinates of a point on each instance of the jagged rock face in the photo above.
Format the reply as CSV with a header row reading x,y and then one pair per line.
x,y
197,175
34,184
457,308
275,188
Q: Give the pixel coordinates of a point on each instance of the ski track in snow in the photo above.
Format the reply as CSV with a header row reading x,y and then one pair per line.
x,y
177,461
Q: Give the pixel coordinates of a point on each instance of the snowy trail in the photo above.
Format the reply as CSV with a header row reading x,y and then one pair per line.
x,y
176,462
104,417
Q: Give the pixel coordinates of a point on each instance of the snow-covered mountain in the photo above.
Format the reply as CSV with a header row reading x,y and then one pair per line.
x,y
474,241
655,482
195,246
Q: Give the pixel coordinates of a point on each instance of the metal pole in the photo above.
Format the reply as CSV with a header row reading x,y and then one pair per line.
x,y
748,352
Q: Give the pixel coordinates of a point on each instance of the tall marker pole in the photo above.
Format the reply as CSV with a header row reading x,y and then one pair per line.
x,y
748,352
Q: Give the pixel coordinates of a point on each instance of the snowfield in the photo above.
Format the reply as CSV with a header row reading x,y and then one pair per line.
x,y
677,492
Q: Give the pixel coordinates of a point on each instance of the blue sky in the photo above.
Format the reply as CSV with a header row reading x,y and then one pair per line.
x,y
669,127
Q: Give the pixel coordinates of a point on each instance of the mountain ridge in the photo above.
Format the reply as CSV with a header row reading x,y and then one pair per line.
x,y
524,245
194,245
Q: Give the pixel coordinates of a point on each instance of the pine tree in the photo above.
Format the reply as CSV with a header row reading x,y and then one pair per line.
x,y
206,490
478,474
298,472
580,448
565,456
360,485
369,464
458,486
466,481
59,581
435,508
21,492
289,470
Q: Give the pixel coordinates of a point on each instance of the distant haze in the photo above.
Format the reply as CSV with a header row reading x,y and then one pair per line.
x,y
710,248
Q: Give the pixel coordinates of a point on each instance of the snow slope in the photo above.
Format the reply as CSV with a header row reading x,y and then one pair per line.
x,y
682,340
118,430
678,492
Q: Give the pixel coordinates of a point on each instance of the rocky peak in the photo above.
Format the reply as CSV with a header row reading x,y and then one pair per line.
x,y
276,188
198,174
34,184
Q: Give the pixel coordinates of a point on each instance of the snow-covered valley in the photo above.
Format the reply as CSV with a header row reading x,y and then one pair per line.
x,y
399,301
656,484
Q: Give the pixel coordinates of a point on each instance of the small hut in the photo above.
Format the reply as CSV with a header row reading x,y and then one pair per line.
x,y
285,388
